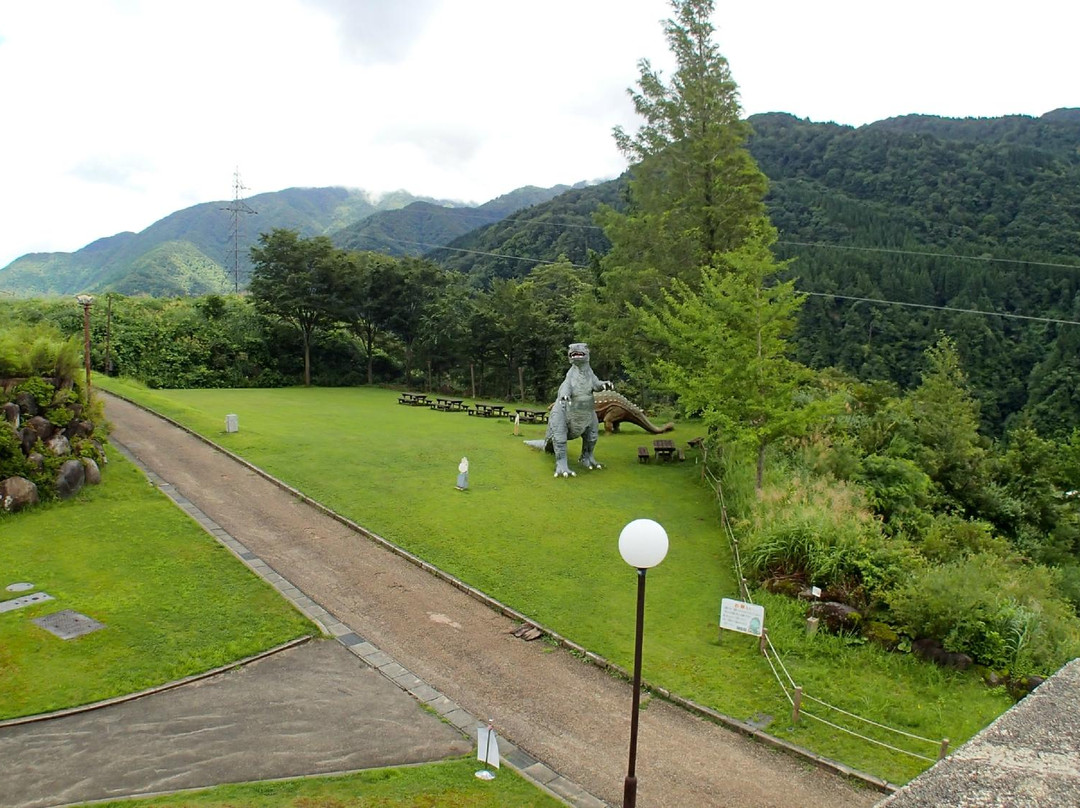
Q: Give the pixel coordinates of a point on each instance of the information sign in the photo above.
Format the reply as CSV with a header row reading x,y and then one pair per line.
x,y
746,618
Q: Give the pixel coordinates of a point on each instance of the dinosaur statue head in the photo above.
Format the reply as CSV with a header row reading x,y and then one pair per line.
x,y
578,354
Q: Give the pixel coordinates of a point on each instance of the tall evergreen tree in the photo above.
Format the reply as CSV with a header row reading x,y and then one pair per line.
x,y
724,351
695,191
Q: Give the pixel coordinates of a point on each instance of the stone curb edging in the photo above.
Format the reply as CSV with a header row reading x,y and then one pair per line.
x,y
195,677
590,657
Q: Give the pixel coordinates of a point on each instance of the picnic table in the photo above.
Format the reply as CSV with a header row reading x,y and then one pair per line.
x,y
530,416
488,410
414,399
664,449
448,404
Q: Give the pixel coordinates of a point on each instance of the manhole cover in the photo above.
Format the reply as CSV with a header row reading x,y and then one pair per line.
x,y
25,600
68,624
19,587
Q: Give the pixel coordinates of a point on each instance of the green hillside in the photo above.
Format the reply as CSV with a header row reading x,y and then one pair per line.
x,y
938,214
416,228
190,251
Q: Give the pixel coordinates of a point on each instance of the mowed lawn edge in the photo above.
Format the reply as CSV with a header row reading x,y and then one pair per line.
x,y
174,602
448,784
547,547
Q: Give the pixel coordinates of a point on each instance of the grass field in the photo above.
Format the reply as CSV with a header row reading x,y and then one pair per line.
x,y
548,548
173,600
450,784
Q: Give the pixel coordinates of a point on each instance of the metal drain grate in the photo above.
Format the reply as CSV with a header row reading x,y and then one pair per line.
x,y
25,600
68,624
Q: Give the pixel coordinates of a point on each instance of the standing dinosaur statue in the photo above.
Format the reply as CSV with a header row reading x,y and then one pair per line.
x,y
614,409
573,414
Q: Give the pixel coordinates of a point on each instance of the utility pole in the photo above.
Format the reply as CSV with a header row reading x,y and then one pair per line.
x,y
237,207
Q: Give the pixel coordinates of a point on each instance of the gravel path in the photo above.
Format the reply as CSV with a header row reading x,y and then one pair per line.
x,y
570,715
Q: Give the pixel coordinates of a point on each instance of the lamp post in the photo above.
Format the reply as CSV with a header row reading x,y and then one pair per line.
x,y
86,301
643,543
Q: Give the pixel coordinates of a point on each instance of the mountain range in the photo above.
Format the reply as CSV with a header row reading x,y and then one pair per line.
x,y
1007,187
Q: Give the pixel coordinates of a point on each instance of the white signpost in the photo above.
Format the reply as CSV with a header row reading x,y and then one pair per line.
x,y
746,618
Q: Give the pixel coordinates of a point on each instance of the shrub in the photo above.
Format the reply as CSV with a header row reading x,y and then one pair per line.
x,y
838,551
41,389
12,461
949,537
1005,616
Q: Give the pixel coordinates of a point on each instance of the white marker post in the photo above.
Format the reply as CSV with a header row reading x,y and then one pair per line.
x,y
487,750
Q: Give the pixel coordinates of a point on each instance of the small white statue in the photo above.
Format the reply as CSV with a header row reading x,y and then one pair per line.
x,y
463,474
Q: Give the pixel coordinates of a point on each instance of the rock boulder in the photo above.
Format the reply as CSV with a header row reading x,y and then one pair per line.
x,y
70,478
835,617
17,493
93,473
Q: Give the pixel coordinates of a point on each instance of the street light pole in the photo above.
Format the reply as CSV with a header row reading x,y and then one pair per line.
x,y
643,544
630,784
86,301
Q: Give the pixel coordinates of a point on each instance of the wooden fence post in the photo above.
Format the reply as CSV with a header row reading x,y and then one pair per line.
x,y
762,640
944,749
796,706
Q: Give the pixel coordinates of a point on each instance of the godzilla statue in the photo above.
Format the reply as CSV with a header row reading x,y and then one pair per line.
x,y
573,414
614,409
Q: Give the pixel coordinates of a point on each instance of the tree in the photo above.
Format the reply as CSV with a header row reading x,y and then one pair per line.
x,y
370,287
297,280
420,284
695,191
723,350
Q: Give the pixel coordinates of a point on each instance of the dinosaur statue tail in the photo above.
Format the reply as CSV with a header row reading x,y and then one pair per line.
x,y
536,444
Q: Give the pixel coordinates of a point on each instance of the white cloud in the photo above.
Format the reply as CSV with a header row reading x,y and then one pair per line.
x,y
118,112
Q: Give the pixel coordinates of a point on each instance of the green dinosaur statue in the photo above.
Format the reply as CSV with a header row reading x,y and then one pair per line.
x,y
573,415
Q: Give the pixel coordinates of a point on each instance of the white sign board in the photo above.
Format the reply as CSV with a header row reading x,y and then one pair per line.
x,y
746,618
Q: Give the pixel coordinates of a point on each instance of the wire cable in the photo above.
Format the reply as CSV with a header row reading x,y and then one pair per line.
x,y
942,308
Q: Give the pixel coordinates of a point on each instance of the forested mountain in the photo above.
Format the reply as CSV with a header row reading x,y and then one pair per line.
x,y
416,228
513,246
979,214
957,215
187,252
191,252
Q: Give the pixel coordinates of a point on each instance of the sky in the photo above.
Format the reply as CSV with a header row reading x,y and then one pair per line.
x,y
116,113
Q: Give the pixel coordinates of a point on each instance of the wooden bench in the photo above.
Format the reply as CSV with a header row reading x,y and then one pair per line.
x,y
643,454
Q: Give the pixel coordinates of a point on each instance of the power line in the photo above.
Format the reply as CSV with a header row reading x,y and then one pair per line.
x,y
481,252
891,251
880,301
942,308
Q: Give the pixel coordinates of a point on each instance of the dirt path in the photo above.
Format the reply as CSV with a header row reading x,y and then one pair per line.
x,y
570,715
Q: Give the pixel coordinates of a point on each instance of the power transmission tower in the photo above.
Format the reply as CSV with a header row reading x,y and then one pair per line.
x,y
237,207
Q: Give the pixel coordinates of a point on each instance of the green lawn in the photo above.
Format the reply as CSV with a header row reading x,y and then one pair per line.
x,y
449,784
174,602
548,548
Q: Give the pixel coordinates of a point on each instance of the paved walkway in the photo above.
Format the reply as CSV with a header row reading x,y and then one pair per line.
x,y
568,720
311,709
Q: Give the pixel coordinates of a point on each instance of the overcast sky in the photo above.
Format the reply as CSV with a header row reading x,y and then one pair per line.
x,y
116,113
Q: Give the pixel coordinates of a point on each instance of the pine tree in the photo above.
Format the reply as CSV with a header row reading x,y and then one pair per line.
x,y
695,191
725,349
687,298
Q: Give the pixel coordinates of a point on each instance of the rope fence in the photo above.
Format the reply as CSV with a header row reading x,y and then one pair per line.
x,y
794,694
